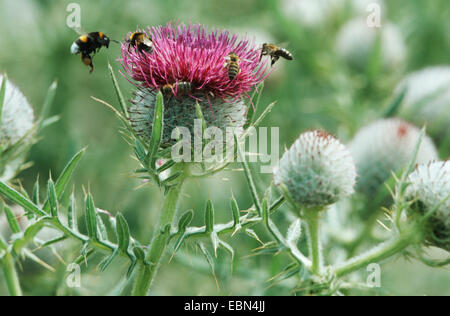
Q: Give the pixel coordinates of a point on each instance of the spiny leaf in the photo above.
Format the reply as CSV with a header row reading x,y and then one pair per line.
x,y
107,261
170,163
123,233
65,177
101,228
253,107
157,130
19,199
394,106
35,196
139,151
2,94
71,213
209,259
235,210
52,199
12,220
264,114
252,234
294,232
215,242
209,217
248,175
91,218
48,101
123,105
185,220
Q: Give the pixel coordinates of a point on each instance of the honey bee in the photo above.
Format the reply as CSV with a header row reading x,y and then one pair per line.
x,y
141,41
232,65
180,87
275,53
87,44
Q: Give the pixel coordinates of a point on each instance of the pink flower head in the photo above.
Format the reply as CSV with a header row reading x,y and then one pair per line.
x,y
189,53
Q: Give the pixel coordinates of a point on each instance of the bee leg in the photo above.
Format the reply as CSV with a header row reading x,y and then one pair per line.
x,y
274,60
87,60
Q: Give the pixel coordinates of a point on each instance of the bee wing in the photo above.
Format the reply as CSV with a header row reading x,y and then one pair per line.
x,y
79,30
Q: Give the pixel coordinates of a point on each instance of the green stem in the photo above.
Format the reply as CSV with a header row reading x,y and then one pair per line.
x,y
377,254
147,270
11,277
312,221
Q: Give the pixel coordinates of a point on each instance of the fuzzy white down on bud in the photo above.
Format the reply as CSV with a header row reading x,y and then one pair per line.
x,y
385,146
427,96
357,42
316,171
181,112
428,190
17,115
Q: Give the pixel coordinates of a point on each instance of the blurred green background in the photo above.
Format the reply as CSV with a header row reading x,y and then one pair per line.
x,y
317,90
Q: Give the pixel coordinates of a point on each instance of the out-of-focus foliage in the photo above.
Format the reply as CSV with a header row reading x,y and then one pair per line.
x,y
317,90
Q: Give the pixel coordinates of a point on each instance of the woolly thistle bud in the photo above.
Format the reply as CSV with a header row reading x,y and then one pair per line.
x,y
427,97
310,12
429,187
181,112
357,41
385,146
17,115
316,171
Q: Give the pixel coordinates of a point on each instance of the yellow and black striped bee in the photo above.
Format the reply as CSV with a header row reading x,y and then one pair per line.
x,y
87,44
232,65
180,87
275,53
141,41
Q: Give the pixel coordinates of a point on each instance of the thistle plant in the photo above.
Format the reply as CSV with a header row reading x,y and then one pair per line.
x,y
184,83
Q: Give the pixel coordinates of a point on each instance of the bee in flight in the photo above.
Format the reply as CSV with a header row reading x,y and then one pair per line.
x,y
232,65
180,87
275,53
88,44
141,41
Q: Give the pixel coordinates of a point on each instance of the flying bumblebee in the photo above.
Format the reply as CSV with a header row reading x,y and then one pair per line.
x,y
88,44
141,41
275,53
180,87
232,65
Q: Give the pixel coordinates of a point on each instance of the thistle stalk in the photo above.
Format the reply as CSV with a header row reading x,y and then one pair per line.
x,y
10,274
312,221
161,236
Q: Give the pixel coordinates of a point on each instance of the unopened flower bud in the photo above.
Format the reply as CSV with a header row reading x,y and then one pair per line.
x,y
316,171
385,146
429,190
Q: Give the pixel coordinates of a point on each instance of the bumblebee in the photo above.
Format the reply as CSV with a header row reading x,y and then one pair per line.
x,y
87,44
141,41
232,65
180,87
275,53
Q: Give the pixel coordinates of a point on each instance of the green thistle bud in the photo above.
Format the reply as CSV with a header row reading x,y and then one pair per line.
x,y
316,171
181,112
385,146
429,187
17,115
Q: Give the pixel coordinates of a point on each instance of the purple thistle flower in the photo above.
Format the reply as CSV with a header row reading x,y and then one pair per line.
x,y
189,53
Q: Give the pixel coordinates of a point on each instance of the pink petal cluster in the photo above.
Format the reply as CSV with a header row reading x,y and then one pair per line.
x,y
192,54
